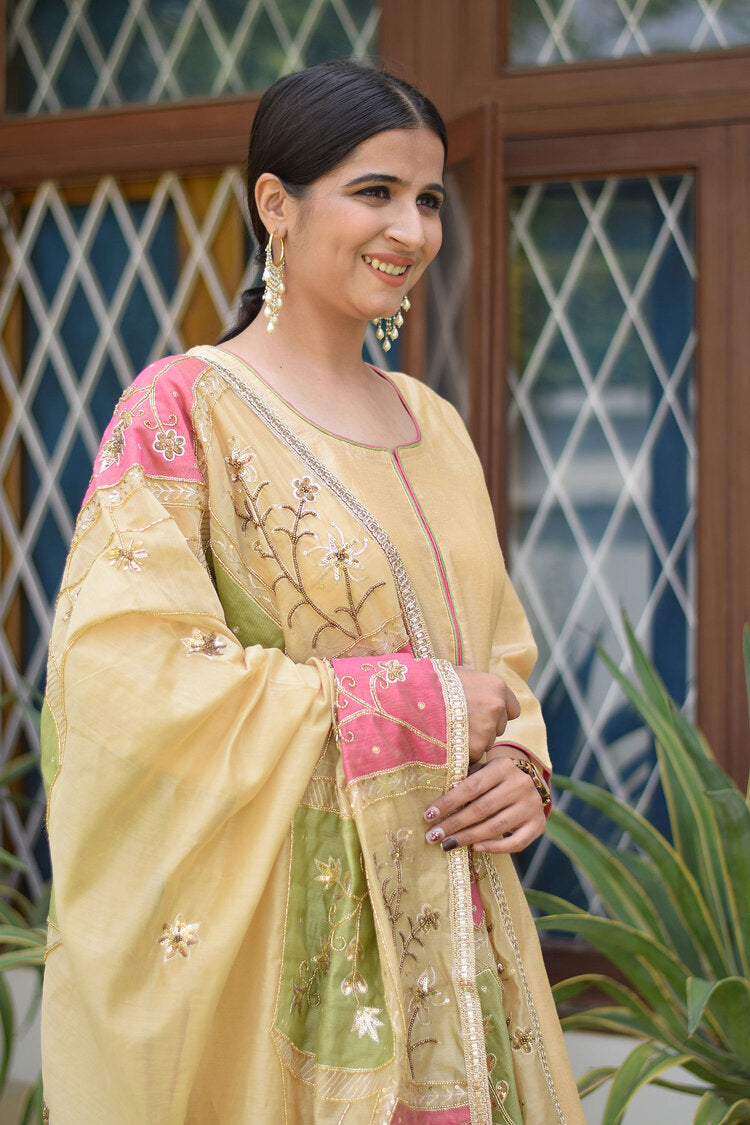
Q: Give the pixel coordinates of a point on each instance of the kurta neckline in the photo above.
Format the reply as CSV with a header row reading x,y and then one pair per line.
x,y
391,450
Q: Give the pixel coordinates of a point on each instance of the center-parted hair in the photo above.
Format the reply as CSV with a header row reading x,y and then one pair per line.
x,y
308,122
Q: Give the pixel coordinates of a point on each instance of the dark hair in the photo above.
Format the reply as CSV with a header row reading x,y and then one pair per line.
x,y
308,122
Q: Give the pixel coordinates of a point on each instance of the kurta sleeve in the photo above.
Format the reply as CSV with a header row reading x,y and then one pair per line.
x,y
175,759
513,658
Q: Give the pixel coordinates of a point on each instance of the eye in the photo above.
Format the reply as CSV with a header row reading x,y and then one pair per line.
x,y
432,202
375,191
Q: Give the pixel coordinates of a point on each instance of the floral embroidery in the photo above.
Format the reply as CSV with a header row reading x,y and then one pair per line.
x,y
330,872
342,556
422,994
178,937
305,489
170,444
204,644
139,403
113,449
272,528
127,557
239,461
523,1040
309,972
387,672
395,670
366,1022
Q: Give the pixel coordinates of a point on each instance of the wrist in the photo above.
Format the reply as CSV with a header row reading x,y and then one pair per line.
x,y
541,786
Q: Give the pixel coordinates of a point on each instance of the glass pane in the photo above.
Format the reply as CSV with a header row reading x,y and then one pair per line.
x,y
545,32
602,463
448,284
110,52
99,282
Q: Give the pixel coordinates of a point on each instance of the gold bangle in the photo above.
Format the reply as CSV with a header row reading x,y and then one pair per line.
x,y
540,784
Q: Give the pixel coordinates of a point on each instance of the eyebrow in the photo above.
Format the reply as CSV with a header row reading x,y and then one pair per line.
x,y
385,178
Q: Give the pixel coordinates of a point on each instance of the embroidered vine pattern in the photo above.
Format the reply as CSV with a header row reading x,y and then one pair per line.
x,y
168,443
383,674
498,1090
340,556
408,932
310,972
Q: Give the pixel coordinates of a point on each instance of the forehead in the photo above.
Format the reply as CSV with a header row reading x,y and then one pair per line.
x,y
414,155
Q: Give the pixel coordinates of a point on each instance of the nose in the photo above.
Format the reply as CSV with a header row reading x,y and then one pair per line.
x,y
406,226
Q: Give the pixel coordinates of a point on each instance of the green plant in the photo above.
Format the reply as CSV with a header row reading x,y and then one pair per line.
x,y
678,919
23,933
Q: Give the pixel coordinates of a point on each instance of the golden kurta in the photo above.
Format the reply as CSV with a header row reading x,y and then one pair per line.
x,y
250,703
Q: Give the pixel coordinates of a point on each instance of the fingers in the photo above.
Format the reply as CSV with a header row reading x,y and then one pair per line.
x,y
495,809
512,706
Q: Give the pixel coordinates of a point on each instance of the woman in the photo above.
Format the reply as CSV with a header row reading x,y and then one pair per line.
x,y
283,634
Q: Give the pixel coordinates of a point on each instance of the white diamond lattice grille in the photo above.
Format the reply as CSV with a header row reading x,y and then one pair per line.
x,y
90,53
96,285
603,458
545,32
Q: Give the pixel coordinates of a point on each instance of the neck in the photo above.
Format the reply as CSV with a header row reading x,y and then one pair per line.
x,y
304,347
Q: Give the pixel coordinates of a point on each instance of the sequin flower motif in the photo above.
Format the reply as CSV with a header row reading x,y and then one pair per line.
x,y
178,937
239,461
366,1022
204,644
128,556
305,489
342,555
393,670
170,444
424,995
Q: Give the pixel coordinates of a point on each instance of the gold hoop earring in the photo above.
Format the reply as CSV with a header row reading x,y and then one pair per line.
x,y
386,328
273,276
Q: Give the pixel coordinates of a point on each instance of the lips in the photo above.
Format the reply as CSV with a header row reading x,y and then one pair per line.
x,y
388,266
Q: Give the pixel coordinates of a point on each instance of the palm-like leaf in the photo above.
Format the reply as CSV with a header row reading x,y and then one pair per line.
x,y
678,918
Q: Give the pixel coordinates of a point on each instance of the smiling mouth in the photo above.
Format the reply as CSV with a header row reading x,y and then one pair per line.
x,y
385,267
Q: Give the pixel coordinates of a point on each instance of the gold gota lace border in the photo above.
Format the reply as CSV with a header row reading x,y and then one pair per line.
x,y
460,907
415,623
462,927
502,902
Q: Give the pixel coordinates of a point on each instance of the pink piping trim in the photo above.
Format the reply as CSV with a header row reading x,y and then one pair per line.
x,y
438,560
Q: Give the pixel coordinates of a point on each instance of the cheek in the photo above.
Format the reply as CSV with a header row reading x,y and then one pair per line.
x,y
433,241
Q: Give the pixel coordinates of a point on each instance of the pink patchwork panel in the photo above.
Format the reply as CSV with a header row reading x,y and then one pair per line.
x,y
151,426
390,711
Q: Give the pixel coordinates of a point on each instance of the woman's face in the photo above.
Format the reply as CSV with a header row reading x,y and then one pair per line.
x,y
364,233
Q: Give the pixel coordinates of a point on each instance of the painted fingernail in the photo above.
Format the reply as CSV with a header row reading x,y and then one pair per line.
x,y
432,813
449,844
434,835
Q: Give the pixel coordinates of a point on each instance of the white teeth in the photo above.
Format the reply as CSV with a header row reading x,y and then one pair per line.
x,y
385,267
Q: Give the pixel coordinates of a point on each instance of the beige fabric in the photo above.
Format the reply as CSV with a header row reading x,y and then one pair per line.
x,y
176,772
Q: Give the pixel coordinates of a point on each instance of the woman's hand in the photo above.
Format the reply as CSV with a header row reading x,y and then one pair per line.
x,y
495,809
490,705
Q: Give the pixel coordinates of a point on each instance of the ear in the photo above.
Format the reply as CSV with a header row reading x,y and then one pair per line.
x,y
274,204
